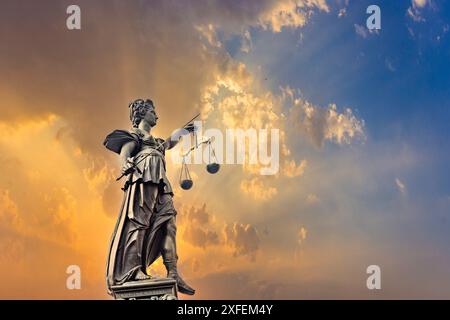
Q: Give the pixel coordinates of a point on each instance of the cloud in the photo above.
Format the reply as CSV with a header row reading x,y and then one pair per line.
x,y
198,227
243,238
9,216
420,3
415,14
342,12
98,176
360,30
246,42
44,206
389,65
200,237
12,248
61,209
111,198
325,124
50,214
256,188
312,198
197,215
179,35
400,185
301,235
237,101
415,10
238,285
209,33
291,169
364,31
289,14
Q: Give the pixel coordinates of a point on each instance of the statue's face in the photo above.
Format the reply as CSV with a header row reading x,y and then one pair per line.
x,y
151,117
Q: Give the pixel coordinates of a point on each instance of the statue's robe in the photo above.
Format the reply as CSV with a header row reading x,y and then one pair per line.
x,y
147,206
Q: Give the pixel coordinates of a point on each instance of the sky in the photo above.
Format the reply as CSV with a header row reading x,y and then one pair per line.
x,y
364,143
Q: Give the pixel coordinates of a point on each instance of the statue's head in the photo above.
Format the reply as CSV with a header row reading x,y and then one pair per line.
x,y
142,109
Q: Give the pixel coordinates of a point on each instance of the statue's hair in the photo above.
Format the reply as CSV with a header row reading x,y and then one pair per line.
x,y
138,109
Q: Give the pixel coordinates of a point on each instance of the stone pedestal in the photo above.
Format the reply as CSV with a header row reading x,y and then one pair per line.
x,y
150,289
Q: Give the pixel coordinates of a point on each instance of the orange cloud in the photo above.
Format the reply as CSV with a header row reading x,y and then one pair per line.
x,y
257,189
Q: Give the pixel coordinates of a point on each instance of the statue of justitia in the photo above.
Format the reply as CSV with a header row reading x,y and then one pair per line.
x,y
146,225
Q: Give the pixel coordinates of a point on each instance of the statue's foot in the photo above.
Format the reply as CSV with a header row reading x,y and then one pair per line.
x,y
183,287
140,275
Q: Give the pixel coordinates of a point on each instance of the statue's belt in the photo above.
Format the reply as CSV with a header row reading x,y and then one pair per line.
x,y
147,152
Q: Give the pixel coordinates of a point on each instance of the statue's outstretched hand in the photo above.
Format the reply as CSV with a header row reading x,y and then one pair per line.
x,y
190,128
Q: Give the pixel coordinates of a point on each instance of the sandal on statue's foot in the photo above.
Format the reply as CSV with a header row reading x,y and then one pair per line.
x,y
140,275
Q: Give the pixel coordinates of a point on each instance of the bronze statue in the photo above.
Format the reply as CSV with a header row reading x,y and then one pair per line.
x,y
146,225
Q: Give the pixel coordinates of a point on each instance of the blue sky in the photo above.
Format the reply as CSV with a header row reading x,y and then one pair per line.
x,y
397,80
354,71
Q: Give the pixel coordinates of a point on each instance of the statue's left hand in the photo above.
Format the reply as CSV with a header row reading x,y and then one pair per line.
x,y
127,165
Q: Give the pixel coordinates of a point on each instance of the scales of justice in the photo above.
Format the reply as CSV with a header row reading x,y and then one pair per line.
x,y
146,225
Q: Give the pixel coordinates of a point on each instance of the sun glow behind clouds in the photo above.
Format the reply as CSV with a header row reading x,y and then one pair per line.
x,y
301,233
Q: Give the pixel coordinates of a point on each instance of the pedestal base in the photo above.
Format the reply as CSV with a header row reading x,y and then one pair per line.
x,y
150,289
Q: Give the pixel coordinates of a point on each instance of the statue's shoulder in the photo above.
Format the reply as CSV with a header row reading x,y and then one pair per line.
x,y
117,138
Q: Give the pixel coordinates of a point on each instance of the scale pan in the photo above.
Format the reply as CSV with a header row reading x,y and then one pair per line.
x,y
186,184
213,168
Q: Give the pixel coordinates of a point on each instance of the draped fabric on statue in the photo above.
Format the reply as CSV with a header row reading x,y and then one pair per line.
x,y
147,205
